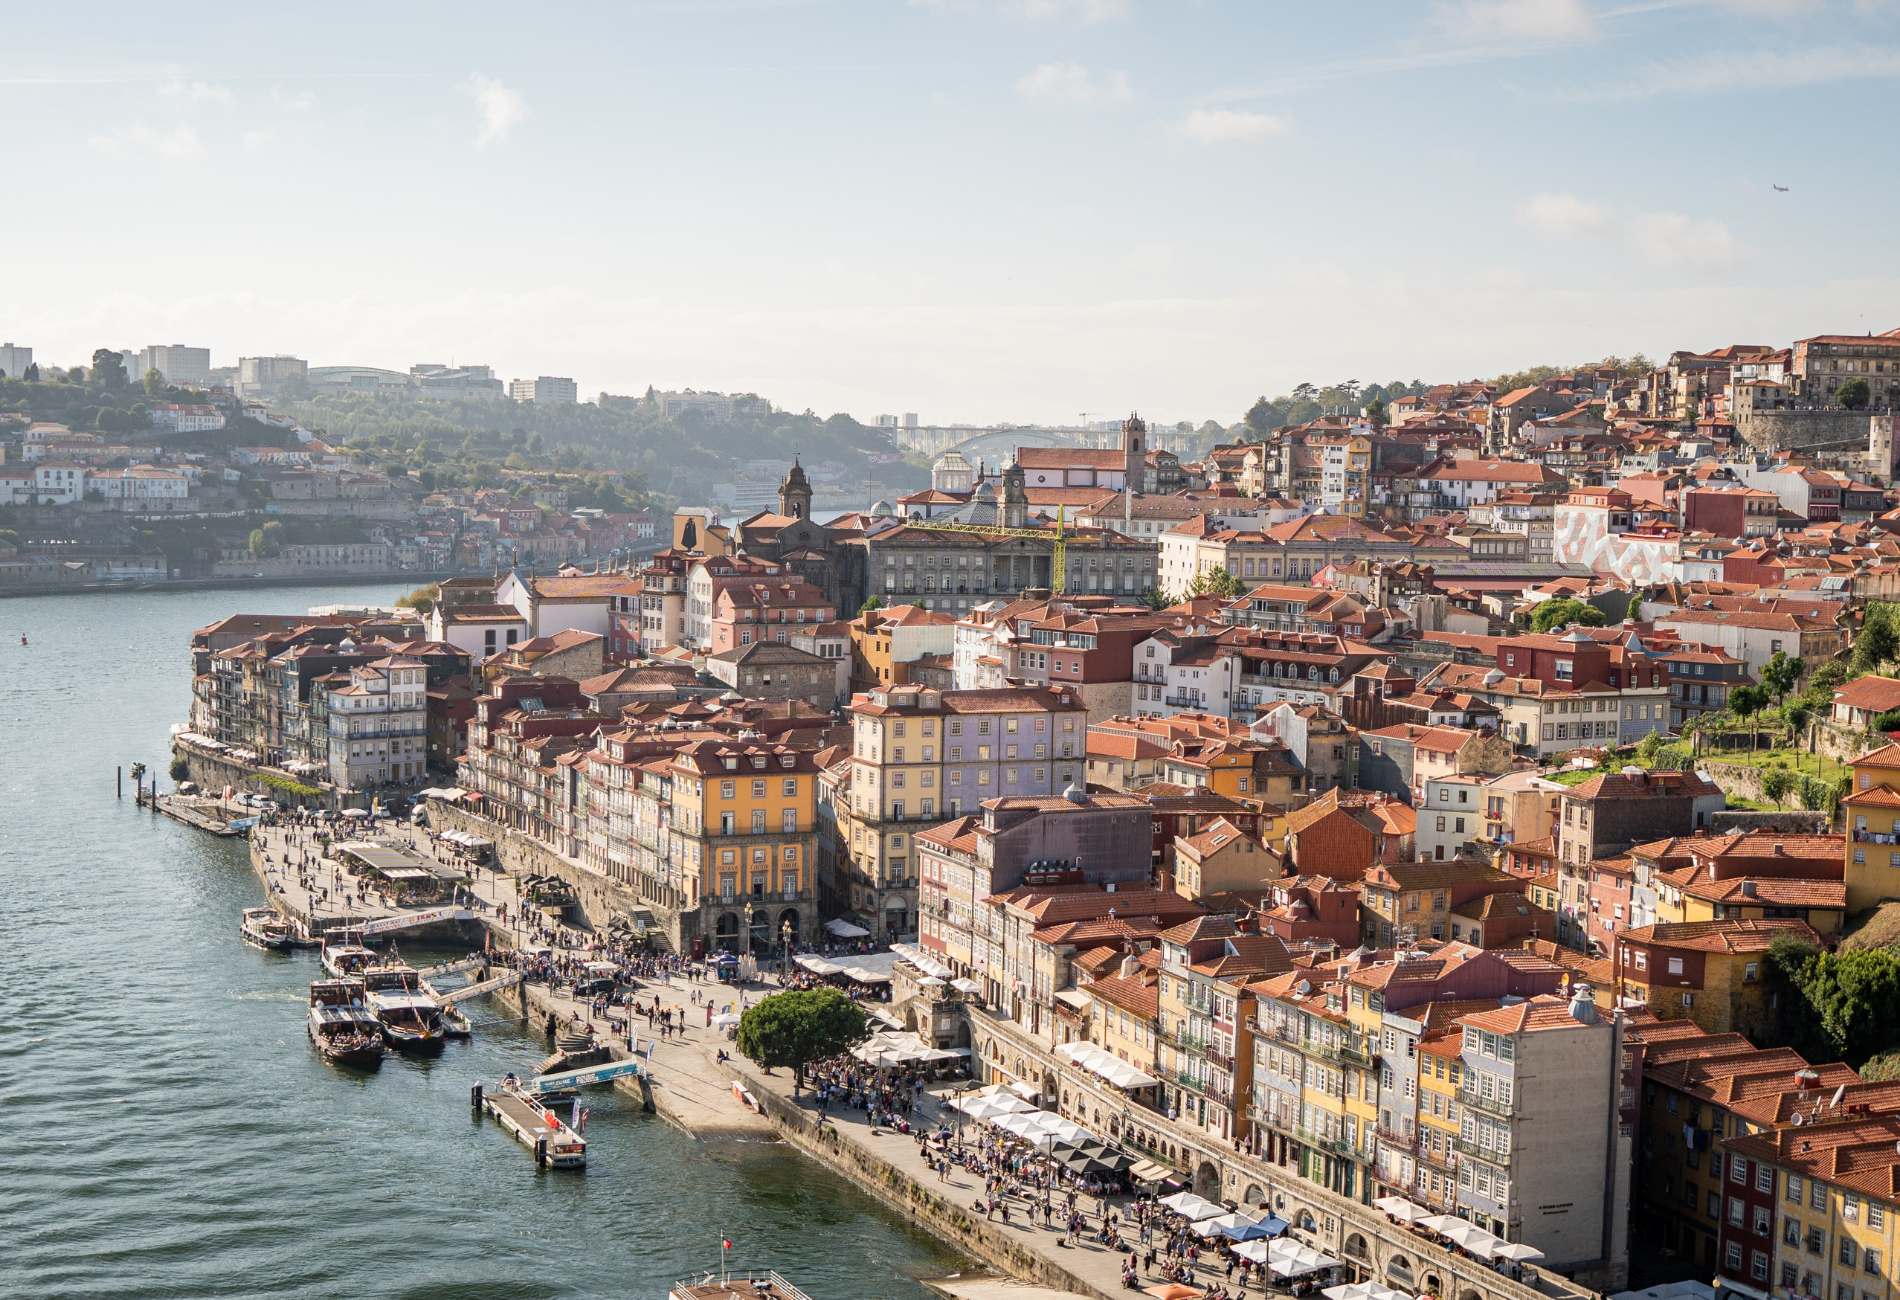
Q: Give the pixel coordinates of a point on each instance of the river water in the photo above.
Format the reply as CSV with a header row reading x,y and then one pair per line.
x,y
168,1130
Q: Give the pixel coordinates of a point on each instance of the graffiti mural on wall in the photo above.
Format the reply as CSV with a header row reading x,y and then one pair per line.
x,y
1583,537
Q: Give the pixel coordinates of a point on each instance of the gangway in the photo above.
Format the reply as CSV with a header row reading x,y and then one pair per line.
x,y
508,979
476,962
561,1082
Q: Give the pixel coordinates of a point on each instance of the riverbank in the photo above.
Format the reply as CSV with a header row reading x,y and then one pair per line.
x,y
412,577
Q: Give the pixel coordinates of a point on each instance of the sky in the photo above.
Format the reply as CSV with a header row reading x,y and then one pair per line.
x,y
974,210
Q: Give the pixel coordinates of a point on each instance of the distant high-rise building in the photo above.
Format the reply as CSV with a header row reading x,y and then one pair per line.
x,y
544,391
433,380
718,404
263,376
180,365
14,361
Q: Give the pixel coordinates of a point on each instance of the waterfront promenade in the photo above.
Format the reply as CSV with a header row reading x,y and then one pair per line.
x,y
688,1085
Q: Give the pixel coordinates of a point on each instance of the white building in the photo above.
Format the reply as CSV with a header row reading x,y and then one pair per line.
x,y
14,360
182,418
379,723
263,376
58,482
139,483
480,631
180,365
544,391
17,485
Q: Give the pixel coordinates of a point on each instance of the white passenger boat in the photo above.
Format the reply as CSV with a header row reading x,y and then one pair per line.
x,y
347,960
261,927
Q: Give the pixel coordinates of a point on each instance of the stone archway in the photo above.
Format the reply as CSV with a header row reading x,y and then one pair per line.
x,y
1432,1285
1399,1269
1254,1195
1049,1089
726,932
1356,1246
1469,1294
1207,1181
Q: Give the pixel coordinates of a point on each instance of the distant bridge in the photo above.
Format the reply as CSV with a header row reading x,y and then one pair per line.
x,y
994,445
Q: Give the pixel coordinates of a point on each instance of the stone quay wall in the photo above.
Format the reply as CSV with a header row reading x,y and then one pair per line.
x,y
597,897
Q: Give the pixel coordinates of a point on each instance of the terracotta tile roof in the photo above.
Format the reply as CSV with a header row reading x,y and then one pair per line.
x,y
1859,1154
1730,936
1132,994
1542,1012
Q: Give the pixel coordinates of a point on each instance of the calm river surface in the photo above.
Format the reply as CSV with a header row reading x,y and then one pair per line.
x,y
170,1132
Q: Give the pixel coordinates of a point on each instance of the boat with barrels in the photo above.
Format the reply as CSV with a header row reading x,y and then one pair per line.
x,y
346,960
411,1019
343,1029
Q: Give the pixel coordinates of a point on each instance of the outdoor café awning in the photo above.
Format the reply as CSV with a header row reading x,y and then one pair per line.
x,y
922,960
1150,1172
845,930
898,1049
1105,1065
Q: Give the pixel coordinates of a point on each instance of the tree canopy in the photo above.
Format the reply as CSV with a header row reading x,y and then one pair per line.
x,y
1853,394
1217,582
1563,611
799,1027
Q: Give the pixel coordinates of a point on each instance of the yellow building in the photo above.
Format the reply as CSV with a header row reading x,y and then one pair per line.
x,y
1829,1193
1123,1013
1872,811
744,815
1302,1069
1434,1143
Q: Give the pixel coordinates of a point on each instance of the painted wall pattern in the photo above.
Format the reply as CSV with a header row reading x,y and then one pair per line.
x,y
1582,536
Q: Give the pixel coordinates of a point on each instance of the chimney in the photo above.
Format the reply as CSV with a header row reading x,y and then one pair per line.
x,y
1583,1006
1130,965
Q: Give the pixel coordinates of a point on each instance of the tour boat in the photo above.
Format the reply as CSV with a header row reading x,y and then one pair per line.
x,y
346,961
729,1283
263,928
341,1026
411,1019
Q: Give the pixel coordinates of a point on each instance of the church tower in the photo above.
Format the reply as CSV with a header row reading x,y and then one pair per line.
x,y
1012,502
794,494
1135,454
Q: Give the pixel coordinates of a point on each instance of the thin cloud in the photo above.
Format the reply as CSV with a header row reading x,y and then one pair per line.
x,y
1231,126
1081,11
502,108
194,92
1074,85
1671,239
255,140
1664,238
138,141
1727,72
1533,20
1565,216
291,101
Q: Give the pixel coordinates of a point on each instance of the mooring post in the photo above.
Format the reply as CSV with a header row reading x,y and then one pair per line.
x,y
120,789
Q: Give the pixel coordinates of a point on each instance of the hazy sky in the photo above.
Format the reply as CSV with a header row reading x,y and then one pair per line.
x,y
970,209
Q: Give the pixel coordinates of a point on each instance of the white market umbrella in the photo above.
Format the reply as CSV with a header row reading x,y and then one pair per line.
x,y
1401,1209
1189,1206
1474,1239
1219,1224
1442,1224
1254,1252
1518,1251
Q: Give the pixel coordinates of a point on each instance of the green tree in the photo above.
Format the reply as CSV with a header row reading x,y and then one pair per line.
x,y
180,768
1853,394
108,368
1375,413
797,1028
1550,614
1648,748
32,373
1154,599
1262,418
1877,640
422,599
1780,674
154,382
1217,582
871,603
1776,782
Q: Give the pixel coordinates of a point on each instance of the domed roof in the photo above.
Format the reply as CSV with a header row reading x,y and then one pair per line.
x,y
882,510
952,460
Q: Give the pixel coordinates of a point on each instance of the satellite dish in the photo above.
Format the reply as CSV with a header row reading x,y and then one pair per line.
x,y
1835,1100
1800,1119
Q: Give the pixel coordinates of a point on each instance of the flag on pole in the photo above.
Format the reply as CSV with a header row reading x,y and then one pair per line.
x,y
725,1243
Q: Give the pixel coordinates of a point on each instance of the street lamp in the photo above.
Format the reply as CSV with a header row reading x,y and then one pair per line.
x,y
785,937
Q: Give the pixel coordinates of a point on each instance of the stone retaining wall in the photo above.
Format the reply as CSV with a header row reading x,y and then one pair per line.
x,y
596,896
214,772
931,1211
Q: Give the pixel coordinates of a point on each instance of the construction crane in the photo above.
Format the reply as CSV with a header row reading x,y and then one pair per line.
x,y
1058,565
